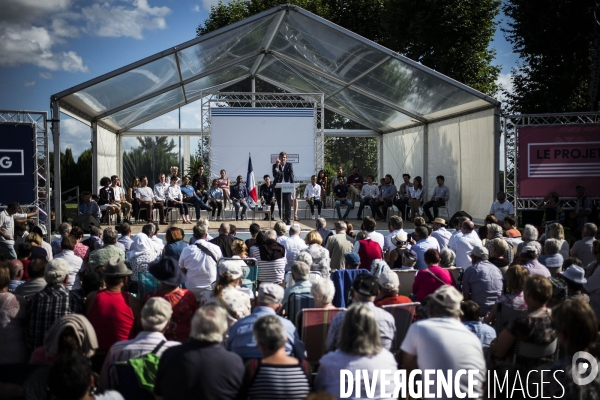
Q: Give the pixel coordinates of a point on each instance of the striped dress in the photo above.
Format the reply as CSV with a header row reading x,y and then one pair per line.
x,y
279,382
269,271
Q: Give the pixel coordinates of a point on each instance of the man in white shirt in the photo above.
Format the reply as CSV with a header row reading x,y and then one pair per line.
x,y
160,189
369,226
120,198
145,196
368,192
199,262
75,263
293,246
502,208
312,194
7,229
463,246
440,233
403,195
395,225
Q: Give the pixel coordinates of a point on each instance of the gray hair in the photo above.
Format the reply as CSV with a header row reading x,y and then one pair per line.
x,y
321,223
495,228
269,332
498,248
300,271
64,229
305,257
362,235
148,229
447,257
272,234
202,222
530,233
110,235
209,323
359,334
590,229
551,246
280,228
96,231
323,291
199,231
294,229
438,310
341,225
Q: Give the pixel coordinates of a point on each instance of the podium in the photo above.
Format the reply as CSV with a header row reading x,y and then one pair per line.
x,y
286,188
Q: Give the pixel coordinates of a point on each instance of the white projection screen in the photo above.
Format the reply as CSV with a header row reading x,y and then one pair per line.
x,y
263,132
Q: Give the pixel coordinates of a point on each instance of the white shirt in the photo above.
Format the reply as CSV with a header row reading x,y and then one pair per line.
x,y
312,191
369,190
159,245
502,210
118,191
201,268
463,246
446,344
144,193
387,243
174,193
7,226
377,237
415,194
443,237
74,267
160,191
293,246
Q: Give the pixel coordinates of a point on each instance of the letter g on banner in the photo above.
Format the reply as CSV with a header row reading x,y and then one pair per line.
x,y
5,162
581,368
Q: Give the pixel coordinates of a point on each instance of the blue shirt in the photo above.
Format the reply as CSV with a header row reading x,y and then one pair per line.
x,y
188,190
421,247
387,190
484,332
241,338
90,208
125,241
174,250
239,192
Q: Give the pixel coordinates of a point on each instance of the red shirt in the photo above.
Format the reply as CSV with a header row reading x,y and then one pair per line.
x,y
425,284
368,251
25,269
391,300
184,305
112,318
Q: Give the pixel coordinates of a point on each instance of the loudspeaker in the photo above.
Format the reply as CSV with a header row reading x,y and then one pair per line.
x,y
456,216
85,222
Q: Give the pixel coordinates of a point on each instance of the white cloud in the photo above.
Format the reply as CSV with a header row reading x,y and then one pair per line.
x,y
196,8
75,135
505,83
115,21
62,28
30,84
46,75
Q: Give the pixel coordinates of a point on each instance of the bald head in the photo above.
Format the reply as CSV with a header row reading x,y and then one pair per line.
x,y
224,229
16,270
468,226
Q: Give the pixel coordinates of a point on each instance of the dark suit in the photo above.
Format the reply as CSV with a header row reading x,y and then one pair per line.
x,y
282,174
224,242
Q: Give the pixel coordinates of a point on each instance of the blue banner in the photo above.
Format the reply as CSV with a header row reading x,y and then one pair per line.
x,y
17,164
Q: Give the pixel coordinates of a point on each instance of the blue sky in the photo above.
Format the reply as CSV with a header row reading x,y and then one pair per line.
x,y
47,46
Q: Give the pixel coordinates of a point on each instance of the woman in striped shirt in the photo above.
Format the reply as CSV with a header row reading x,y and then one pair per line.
x,y
277,375
271,259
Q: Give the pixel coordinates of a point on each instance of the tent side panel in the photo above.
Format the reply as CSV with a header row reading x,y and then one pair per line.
x,y
107,154
403,153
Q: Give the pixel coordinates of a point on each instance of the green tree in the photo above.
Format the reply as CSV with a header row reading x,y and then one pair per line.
x,y
554,41
154,155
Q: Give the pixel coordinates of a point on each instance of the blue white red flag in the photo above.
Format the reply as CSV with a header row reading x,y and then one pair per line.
x,y
250,182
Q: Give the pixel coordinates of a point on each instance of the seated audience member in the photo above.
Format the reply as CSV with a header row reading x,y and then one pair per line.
x,y
557,231
441,195
94,242
530,237
15,268
268,302
367,249
293,246
369,225
37,251
551,258
498,249
319,254
574,277
101,256
175,199
106,200
423,242
364,291
271,258
141,253
71,377
352,260
529,257
457,230
359,347
490,219
280,229
577,329
495,232
312,194
175,243
63,230
442,342
125,238
71,332
89,207
113,312
24,254
92,282
238,195
350,229
45,245
13,314
254,230
395,225
75,263
515,281
194,197
535,328
167,272
394,255
464,244
502,208
51,303
209,371
224,241
321,226
440,233
404,195
559,292
323,291
430,279
592,286
36,280
510,227
470,318
409,260
300,274
385,199
340,192
277,375
482,282
368,193
216,197
199,262
447,258
227,291
156,315
81,250
240,249
389,285
338,245
582,248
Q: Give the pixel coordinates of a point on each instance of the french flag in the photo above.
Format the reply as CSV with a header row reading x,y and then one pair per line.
x,y
250,182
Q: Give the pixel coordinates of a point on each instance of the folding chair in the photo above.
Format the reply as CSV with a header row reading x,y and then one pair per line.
x,y
447,211
297,302
315,325
536,352
406,278
403,315
457,273
168,212
504,315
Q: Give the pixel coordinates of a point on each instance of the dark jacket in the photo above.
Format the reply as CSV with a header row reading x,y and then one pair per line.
x,y
224,242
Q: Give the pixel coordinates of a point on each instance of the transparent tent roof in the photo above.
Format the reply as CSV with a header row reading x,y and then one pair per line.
x,y
287,47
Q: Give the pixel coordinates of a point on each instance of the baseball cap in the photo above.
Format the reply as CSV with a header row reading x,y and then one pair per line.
x,y
481,252
231,267
410,254
156,313
389,280
448,297
270,293
56,270
352,259
366,285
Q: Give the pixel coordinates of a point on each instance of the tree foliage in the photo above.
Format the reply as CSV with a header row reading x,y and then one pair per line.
x,y
154,155
554,40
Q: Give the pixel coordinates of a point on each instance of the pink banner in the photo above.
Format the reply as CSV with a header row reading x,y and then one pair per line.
x,y
558,158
